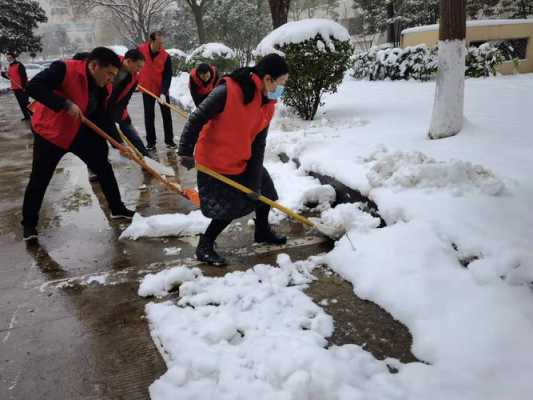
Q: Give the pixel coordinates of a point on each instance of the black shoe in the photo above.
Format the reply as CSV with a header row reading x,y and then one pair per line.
x,y
93,177
30,233
205,252
24,119
124,213
268,236
150,147
171,146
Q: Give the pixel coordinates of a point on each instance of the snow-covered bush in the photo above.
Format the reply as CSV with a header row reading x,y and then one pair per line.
x,y
421,63
482,60
216,54
318,53
178,59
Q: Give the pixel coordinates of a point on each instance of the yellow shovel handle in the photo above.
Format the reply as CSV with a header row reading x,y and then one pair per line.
x,y
261,198
172,107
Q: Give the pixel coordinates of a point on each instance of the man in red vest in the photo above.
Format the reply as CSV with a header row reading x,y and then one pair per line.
x,y
64,92
16,73
124,85
156,77
202,81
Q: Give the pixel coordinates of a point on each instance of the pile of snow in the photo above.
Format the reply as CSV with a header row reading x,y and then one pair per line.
x,y
300,31
296,189
180,93
212,50
255,334
348,216
160,284
193,223
176,53
416,170
118,49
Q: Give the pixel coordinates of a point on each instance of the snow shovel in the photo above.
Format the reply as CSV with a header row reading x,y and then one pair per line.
x,y
172,107
314,223
189,194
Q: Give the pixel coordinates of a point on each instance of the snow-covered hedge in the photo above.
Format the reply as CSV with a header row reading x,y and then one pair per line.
x,y
318,52
421,63
217,54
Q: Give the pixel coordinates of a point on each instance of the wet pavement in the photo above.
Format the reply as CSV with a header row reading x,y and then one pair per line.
x,y
63,337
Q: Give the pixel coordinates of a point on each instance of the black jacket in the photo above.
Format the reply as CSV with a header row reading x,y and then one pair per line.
x,y
196,97
23,75
212,106
116,108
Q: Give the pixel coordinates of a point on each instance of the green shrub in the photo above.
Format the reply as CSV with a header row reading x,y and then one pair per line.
x,y
315,68
179,61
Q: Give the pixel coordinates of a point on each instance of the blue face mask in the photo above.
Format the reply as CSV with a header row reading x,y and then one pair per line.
x,y
276,94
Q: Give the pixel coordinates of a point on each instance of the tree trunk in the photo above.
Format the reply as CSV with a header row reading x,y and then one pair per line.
x,y
198,14
390,25
280,11
448,108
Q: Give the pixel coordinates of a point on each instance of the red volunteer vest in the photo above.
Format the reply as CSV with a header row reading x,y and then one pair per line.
x,y
225,142
202,88
13,72
59,127
151,76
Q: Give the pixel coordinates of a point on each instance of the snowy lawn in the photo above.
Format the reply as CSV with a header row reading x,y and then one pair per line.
x,y
450,203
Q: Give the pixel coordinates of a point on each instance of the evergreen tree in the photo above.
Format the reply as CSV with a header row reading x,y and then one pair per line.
x,y
18,19
516,8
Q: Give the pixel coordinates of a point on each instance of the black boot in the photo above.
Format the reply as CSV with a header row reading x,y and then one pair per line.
x,y
265,234
205,252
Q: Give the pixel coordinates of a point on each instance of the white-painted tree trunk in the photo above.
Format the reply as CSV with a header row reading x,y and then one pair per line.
x,y
447,118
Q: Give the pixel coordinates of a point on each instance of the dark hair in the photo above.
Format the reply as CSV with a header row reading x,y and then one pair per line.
x,y
83,55
154,34
134,55
104,57
203,68
12,54
272,64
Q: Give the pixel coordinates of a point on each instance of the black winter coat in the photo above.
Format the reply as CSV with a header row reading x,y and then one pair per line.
x,y
218,200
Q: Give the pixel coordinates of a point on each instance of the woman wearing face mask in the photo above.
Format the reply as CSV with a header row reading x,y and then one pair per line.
x,y
227,133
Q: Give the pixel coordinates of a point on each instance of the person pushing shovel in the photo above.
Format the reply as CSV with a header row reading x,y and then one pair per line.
x,y
65,93
227,133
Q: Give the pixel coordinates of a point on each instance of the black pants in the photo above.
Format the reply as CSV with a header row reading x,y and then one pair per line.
x,y
91,149
149,116
23,101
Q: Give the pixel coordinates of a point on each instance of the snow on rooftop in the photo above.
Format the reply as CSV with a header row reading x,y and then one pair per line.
x,y
299,31
212,50
470,24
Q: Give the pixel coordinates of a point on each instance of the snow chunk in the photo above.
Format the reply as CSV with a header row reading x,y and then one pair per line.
x,y
166,225
300,31
160,284
348,216
416,170
212,50
172,251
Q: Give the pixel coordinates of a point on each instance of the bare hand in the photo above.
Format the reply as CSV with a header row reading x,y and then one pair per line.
x,y
74,111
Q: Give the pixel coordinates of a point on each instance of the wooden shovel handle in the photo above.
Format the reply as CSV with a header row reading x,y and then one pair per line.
x,y
261,198
171,106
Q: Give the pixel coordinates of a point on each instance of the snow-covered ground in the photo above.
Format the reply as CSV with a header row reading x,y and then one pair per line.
x,y
448,203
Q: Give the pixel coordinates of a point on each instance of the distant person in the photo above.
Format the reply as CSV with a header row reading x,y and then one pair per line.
x,y
16,73
227,133
156,77
64,92
202,81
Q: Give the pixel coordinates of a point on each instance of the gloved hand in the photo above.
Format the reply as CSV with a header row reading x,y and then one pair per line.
x,y
187,162
162,99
